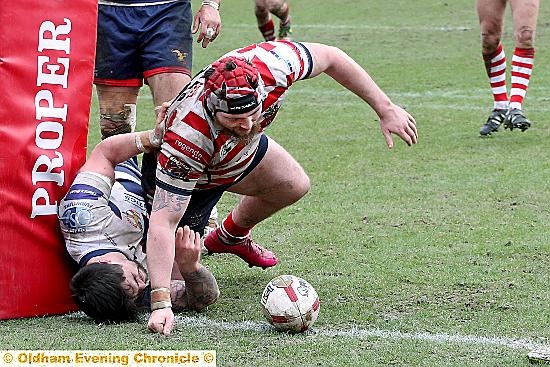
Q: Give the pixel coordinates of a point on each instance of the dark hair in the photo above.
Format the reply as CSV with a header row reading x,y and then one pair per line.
x,y
97,290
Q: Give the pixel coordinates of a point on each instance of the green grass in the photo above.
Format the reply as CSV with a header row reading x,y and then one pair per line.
x,y
407,248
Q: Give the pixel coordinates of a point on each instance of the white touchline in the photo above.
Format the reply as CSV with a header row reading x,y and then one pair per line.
x,y
353,332
357,333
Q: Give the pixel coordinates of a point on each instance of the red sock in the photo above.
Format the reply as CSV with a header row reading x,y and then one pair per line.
x,y
268,30
230,232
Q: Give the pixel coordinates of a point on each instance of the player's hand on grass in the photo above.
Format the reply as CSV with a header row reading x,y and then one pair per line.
x,y
161,321
396,120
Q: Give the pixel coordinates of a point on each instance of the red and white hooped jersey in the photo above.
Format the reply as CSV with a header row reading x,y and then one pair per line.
x,y
195,153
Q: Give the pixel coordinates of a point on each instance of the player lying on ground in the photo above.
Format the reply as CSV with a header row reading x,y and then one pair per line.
x,y
215,142
104,221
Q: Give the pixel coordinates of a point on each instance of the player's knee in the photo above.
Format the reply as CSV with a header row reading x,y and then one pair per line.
x,y
118,122
525,37
261,11
298,187
278,7
490,42
305,185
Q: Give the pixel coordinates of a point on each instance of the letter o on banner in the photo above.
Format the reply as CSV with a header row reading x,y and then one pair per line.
x,y
46,70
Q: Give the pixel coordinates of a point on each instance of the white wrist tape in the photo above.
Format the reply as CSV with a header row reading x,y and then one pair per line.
x,y
139,144
211,3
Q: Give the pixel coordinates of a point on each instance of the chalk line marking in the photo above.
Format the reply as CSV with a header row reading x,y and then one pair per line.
x,y
353,332
358,333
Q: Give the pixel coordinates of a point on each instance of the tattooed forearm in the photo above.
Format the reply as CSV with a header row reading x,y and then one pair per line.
x,y
202,289
174,202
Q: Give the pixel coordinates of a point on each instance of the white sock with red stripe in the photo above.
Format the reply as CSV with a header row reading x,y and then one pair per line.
x,y
495,65
522,67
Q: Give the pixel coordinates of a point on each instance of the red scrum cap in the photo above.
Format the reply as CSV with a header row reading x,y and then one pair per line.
x,y
233,85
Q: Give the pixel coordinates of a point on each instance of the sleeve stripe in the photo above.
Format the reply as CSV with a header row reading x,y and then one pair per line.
x,y
309,59
173,189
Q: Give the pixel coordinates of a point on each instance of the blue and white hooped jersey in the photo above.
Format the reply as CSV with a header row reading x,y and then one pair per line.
x,y
97,217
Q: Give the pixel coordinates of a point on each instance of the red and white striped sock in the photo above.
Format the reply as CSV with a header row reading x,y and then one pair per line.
x,y
268,30
495,65
522,67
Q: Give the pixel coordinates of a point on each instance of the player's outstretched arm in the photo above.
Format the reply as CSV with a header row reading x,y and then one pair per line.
x,y
346,71
168,208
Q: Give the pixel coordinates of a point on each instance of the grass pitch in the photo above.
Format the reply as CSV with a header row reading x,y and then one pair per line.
x,y
432,255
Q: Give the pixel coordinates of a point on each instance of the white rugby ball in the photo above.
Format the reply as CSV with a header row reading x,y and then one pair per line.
x,y
290,303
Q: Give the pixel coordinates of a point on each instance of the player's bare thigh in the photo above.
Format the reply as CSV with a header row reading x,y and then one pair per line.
x,y
269,4
277,177
525,15
491,22
261,6
166,86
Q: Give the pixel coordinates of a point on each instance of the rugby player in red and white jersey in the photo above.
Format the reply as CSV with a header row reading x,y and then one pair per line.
x,y
215,142
104,222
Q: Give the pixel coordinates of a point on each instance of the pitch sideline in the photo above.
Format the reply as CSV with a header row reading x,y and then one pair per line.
x,y
358,333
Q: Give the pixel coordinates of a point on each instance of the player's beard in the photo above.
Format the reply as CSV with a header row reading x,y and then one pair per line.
x,y
246,138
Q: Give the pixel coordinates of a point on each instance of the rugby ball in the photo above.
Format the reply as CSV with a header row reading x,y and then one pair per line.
x,y
290,303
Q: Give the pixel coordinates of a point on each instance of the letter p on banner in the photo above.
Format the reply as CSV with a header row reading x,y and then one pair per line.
x,y
47,51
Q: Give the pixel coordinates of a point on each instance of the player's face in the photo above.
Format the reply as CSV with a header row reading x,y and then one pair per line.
x,y
243,126
135,277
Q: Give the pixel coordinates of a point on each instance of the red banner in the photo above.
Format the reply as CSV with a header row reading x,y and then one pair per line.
x,y
47,51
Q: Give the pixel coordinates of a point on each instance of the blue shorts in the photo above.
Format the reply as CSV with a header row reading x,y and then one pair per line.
x,y
136,42
202,201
